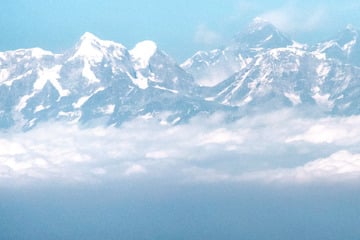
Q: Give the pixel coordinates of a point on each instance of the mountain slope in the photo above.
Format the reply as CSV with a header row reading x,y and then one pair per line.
x,y
212,67
95,82
100,82
279,72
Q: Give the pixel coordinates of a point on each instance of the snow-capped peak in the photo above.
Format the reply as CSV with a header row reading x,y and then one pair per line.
x,y
36,52
262,34
87,36
351,28
92,47
349,34
142,53
89,46
347,39
258,24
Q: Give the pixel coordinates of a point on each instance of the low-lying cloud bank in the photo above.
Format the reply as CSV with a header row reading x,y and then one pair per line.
x,y
281,147
339,167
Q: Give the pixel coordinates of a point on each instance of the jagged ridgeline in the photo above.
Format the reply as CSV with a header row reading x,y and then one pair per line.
x,y
101,82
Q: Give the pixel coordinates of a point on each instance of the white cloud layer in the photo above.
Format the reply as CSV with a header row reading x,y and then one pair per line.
x,y
340,166
275,147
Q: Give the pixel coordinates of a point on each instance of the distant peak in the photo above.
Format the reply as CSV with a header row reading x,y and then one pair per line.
x,y
350,27
258,24
262,34
89,37
92,47
260,20
349,34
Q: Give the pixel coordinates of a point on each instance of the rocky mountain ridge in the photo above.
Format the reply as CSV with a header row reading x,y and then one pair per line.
x,y
103,82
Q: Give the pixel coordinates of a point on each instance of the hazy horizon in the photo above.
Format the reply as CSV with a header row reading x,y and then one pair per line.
x,y
200,25
259,141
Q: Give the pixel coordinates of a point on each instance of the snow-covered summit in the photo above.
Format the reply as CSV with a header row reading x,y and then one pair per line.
x,y
102,82
349,34
93,48
212,67
36,53
258,24
344,47
262,34
88,36
95,82
142,53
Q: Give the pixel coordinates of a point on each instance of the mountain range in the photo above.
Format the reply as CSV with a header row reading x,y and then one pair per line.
x,y
100,82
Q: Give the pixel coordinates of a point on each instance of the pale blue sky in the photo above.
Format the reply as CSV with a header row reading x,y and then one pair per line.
x,y
179,27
